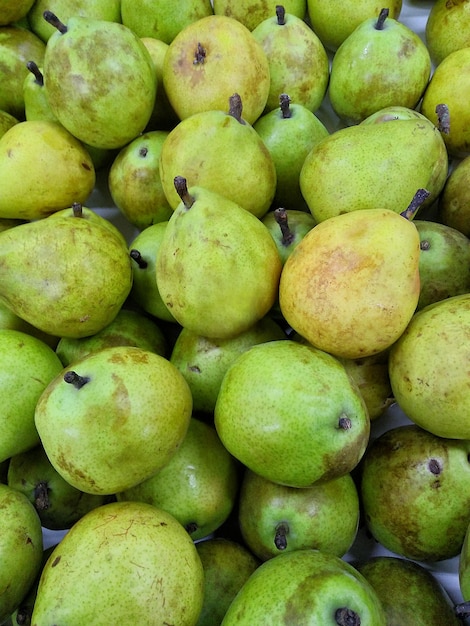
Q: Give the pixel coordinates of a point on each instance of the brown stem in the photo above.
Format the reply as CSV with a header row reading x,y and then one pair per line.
x,y
347,617
284,103
418,199
54,21
77,209
38,75
280,14
344,422
280,215
381,19
75,379
443,118
280,537
199,55
235,108
182,190
138,258
41,496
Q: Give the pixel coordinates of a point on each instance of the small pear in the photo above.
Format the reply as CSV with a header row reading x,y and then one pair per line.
x,y
454,202
251,14
288,227
447,28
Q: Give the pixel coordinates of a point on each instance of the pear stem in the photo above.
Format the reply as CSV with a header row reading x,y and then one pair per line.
x,y
462,610
138,258
280,538
182,190
191,527
418,199
381,19
54,21
38,75
77,209
344,422
199,55
280,215
23,615
281,15
443,118
41,496
347,617
235,108
75,379
284,103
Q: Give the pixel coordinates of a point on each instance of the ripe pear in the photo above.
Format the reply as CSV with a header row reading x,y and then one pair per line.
x,y
122,563
36,105
102,429
274,518
291,414
414,488
251,14
211,59
27,192
106,58
288,227
218,135
343,172
352,284
435,343
447,28
71,278
298,62
21,547
450,85
382,63
306,587
217,267
6,122
13,11
454,201
27,366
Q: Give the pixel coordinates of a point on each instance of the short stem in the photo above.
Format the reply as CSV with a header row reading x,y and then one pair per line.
x,y
462,610
381,19
38,75
74,379
41,496
54,21
281,15
191,527
418,199
344,422
138,258
235,108
280,215
280,537
182,190
443,118
77,209
347,617
424,245
199,55
284,103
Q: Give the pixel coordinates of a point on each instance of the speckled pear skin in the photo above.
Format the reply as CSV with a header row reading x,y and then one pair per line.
x,y
291,414
122,563
121,426
304,587
66,276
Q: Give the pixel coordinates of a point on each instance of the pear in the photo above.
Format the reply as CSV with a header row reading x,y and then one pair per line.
x,y
27,366
306,587
435,343
250,181
113,420
446,28
9,320
198,485
106,58
6,122
122,563
209,241
298,62
381,63
274,518
58,504
352,284
344,171
227,565
454,201
12,12
27,192
410,593
21,547
44,275
288,227
450,85
414,489
251,14
36,105
211,59
291,414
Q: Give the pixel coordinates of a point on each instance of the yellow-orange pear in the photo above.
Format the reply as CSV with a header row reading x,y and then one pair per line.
x,y
352,284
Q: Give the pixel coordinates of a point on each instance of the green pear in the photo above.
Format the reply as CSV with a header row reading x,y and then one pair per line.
x,y
203,361
211,59
160,19
29,152
410,593
107,58
58,504
351,285
344,171
217,267
36,105
450,85
335,20
109,10
227,565
17,46
251,14
21,547
306,587
381,63
6,122
198,485
128,328
454,201
250,181
274,518
414,490
122,563
289,132
27,366
447,28
113,420
291,414
435,343
298,62
49,285
13,11
9,320
134,181
143,250
288,227
444,262
395,112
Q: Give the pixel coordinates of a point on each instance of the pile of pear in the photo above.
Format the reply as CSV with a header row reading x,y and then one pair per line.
x,y
234,247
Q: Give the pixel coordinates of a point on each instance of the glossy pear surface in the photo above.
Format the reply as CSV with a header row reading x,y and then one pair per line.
x,y
447,28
